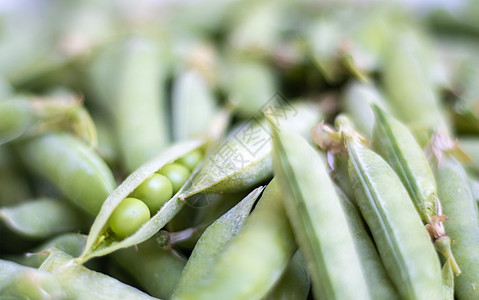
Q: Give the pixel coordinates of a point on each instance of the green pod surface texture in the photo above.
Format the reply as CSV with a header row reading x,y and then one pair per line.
x,y
254,260
157,270
318,220
402,241
379,283
74,168
84,284
459,205
213,241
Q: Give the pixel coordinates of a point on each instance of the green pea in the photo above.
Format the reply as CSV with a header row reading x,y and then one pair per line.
x,y
154,192
192,159
177,174
128,217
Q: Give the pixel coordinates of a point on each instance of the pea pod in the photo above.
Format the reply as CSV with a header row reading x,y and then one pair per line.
x,y
98,243
157,270
294,283
20,282
25,117
254,260
193,105
393,141
29,219
410,60
212,242
379,282
75,169
402,241
318,220
357,100
243,160
70,243
249,82
82,283
458,203
129,69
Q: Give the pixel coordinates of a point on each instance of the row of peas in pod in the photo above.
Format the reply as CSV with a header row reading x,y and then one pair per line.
x,y
151,194
272,149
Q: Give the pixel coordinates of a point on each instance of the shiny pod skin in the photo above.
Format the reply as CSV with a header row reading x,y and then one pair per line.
x,y
402,241
74,168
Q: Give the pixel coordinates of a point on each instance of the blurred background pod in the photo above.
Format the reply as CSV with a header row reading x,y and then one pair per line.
x,y
131,69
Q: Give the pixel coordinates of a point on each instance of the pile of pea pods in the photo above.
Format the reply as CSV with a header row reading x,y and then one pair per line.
x,y
213,149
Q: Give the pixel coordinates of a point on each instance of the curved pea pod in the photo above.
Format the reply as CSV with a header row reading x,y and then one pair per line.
x,y
357,100
253,260
213,242
82,283
20,282
193,105
157,270
243,159
75,169
98,243
379,283
410,86
132,69
294,283
26,117
317,218
394,142
461,208
42,218
402,242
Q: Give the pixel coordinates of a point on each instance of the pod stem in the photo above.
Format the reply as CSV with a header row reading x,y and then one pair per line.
x,y
443,245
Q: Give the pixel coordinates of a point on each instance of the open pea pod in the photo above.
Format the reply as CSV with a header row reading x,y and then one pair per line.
x,y
98,243
82,283
243,159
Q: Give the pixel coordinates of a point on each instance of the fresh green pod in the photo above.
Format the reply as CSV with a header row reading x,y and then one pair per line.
x,y
82,283
243,160
294,283
402,242
250,83
130,69
24,117
75,169
379,283
462,226
20,282
157,270
99,243
213,242
357,100
410,61
254,260
30,219
317,218
193,106
70,243
447,280
395,143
